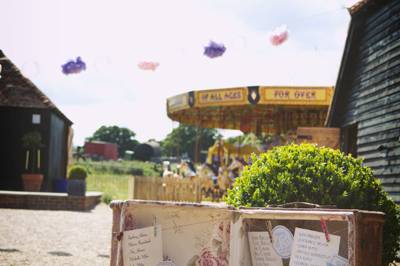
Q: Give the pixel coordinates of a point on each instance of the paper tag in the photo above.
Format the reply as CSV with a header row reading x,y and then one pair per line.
x,y
262,252
311,248
142,246
338,261
282,240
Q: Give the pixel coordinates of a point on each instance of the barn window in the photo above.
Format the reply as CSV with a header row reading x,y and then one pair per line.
x,y
36,119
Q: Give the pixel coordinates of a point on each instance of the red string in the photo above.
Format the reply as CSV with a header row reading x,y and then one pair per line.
x,y
324,229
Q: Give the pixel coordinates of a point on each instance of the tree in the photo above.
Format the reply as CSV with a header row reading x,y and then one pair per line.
x,y
183,140
296,173
246,139
124,137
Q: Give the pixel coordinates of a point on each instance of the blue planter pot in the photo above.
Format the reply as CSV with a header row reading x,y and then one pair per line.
x,y
60,185
76,187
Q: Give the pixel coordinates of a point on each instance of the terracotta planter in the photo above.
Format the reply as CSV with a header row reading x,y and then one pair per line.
x,y
32,182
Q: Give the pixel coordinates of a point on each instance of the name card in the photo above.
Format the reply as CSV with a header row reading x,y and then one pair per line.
x,y
142,247
262,252
310,248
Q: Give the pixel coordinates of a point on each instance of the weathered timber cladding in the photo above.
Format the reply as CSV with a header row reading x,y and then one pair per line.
x,y
368,89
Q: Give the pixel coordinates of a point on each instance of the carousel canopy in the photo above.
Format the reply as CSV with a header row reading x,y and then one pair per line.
x,y
272,109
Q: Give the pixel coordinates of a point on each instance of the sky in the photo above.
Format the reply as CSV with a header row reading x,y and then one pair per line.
x,y
112,37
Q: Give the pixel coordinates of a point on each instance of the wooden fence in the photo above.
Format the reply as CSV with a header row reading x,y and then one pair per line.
x,y
167,188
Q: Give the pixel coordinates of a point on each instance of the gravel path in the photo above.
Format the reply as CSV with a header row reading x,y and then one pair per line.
x,y
29,237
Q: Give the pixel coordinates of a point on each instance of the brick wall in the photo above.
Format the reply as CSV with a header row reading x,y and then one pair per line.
x,y
48,201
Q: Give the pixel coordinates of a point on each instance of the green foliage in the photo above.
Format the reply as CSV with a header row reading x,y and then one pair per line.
x,y
246,139
183,140
77,172
262,139
32,140
137,171
124,137
106,198
317,175
121,167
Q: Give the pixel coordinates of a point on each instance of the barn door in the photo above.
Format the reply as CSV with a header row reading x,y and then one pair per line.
x,y
349,138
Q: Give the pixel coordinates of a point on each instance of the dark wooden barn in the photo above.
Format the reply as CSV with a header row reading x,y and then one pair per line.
x,y
366,104
147,151
24,108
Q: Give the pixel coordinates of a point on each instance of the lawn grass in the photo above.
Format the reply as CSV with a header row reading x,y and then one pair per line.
x,y
111,177
112,186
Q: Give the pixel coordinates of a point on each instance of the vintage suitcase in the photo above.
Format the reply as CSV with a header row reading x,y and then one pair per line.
x,y
215,234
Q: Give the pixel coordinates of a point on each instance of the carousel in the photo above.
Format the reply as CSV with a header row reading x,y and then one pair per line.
x,y
262,110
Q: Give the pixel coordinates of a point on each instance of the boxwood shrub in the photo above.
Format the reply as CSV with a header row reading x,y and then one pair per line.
x,y
77,172
323,176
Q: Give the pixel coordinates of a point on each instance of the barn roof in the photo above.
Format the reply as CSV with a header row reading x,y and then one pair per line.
x,y
358,12
364,5
18,91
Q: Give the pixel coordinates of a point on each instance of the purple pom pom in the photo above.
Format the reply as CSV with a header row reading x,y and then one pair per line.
x,y
214,49
72,67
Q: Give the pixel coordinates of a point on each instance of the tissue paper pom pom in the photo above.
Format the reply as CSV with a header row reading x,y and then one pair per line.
x,y
73,67
214,49
279,35
148,65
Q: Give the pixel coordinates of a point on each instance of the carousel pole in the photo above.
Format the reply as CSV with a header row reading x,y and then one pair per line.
x,y
258,128
197,145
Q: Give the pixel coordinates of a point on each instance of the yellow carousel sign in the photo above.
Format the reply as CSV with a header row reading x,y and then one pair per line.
x,y
296,95
269,109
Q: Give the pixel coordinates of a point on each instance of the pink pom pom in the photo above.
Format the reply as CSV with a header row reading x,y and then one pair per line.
x,y
279,35
145,65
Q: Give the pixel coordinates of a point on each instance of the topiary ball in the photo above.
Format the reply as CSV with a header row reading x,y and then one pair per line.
x,y
308,173
77,173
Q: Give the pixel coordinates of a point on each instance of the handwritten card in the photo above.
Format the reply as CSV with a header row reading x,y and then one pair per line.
x,y
262,253
282,241
142,246
310,248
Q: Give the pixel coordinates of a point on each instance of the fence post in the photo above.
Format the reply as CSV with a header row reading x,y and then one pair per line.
x,y
198,191
131,187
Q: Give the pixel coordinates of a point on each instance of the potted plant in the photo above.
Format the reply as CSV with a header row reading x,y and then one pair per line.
x,y
77,181
32,180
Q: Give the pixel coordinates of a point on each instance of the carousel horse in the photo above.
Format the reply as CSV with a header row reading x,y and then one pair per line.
x,y
167,170
236,168
224,181
168,173
187,169
208,177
